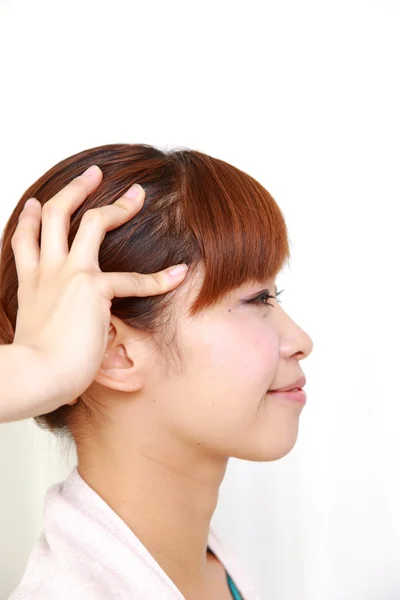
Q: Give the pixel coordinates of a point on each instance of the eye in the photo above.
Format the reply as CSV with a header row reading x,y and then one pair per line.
x,y
263,297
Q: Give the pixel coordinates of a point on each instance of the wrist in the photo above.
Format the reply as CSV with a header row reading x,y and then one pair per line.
x,y
33,385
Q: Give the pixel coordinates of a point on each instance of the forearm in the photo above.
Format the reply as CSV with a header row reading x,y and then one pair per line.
x,y
25,388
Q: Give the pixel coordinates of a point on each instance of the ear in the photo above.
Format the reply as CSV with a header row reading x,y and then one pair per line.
x,y
119,370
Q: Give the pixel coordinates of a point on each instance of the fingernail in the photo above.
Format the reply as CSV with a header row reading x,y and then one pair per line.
x,y
30,202
134,191
177,270
93,170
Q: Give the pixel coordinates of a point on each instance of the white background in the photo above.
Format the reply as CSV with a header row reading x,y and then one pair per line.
x,y
305,96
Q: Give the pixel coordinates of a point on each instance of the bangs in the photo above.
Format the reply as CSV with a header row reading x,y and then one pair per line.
x,y
239,228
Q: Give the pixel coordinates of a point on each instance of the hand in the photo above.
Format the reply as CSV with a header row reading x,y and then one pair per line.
x,y
64,298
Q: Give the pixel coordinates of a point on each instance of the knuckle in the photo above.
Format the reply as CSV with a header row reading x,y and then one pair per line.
x,y
124,204
79,184
93,217
51,208
18,235
157,283
104,285
82,279
137,280
15,239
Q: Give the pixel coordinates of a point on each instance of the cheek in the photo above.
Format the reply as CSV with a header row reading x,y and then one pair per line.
x,y
219,398
237,357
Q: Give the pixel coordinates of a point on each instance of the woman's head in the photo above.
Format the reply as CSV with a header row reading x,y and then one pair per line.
x,y
195,364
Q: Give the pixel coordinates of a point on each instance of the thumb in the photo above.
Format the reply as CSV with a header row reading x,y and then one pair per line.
x,y
124,285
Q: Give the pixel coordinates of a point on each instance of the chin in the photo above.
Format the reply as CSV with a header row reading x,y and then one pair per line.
x,y
267,450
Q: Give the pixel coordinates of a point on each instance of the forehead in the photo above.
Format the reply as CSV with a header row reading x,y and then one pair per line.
x,y
197,278
188,291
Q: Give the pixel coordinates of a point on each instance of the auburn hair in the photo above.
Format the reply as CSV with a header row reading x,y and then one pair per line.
x,y
198,209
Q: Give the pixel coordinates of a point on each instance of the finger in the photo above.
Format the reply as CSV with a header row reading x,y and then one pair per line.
x,y
96,222
123,285
56,217
25,240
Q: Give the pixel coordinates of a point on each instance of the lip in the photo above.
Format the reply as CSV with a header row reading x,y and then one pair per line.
x,y
295,395
296,385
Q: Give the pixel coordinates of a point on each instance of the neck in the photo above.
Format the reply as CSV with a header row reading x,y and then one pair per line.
x,y
166,496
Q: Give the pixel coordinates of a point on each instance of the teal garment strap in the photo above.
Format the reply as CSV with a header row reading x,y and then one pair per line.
x,y
234,591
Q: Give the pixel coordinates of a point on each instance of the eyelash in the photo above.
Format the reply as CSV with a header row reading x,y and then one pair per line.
x,y
260,299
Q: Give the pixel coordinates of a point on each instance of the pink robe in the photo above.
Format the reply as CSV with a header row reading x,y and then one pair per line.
x,y
86,552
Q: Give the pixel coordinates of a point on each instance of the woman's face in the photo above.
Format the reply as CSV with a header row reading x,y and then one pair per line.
x,y
230,356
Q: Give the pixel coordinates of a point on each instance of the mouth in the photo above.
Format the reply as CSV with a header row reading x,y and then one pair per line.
x,y
294,395
294,385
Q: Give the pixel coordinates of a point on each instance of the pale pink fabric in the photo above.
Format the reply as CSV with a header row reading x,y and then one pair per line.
x,y
86,552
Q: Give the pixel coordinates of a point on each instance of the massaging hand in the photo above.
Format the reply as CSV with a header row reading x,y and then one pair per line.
x,y
64,299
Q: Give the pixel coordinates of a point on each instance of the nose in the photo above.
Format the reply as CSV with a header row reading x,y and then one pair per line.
x,y
295,342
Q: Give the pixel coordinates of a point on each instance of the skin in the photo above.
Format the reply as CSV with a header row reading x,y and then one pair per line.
x,y
64,299
160,449
160,453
